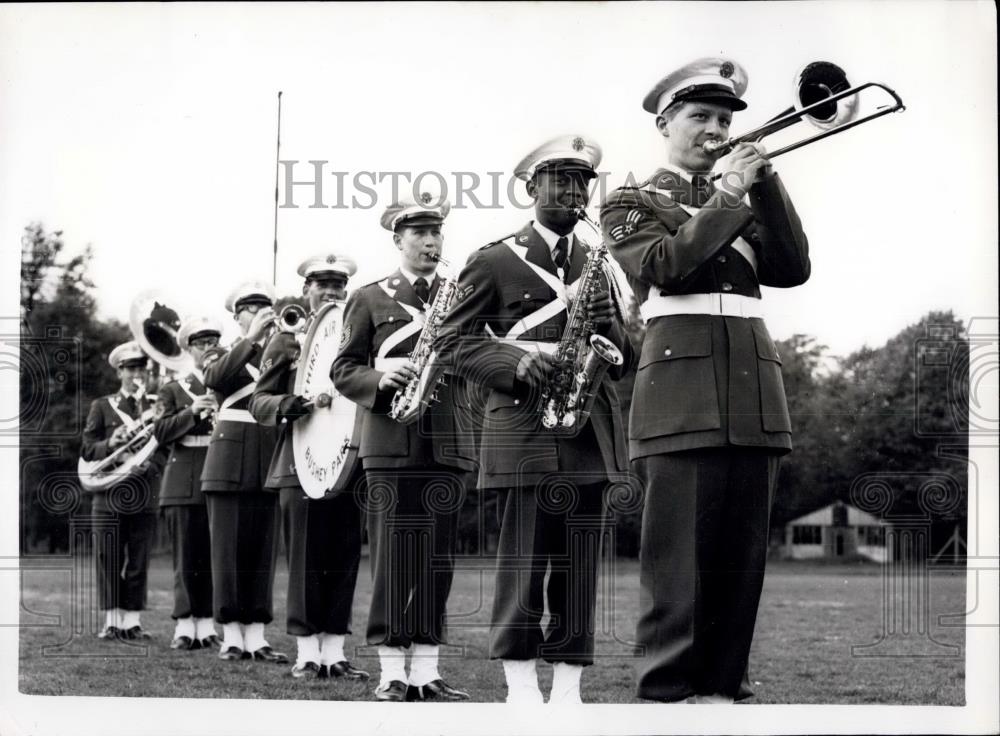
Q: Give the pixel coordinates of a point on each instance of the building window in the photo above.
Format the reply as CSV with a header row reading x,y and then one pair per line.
x,y
872,536
807,535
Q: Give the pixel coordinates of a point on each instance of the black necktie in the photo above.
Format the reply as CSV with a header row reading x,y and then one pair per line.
x,y
129,406
702,189
559,254
422,290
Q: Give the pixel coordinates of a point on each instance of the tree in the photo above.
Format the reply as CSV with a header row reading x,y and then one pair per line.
x,y
63,366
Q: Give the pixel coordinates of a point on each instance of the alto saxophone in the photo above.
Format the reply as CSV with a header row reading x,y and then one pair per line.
x,y
582,356
409,402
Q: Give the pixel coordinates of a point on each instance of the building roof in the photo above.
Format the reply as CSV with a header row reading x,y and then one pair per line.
x,y
824,517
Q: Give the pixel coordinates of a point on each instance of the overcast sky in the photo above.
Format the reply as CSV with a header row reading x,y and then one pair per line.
x,y
149,131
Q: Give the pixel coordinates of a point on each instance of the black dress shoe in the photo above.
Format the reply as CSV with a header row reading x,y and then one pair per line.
x,y
394,692
137,633
435,690
232,654
266,654
195,644
110,633
346,670
183,643
309,670
210,642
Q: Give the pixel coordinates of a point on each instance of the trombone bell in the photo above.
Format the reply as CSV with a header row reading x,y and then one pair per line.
x,y
816,83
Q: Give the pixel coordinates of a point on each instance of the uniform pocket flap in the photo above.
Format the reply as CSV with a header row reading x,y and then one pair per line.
x,y
517,292
389,316
689,343
765,345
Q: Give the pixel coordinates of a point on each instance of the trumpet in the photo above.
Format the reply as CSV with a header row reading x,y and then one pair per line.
x,y
823,98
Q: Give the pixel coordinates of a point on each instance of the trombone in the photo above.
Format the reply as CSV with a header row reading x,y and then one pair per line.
x,y
825,97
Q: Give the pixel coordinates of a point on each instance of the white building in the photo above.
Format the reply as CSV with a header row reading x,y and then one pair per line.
x,y
835,531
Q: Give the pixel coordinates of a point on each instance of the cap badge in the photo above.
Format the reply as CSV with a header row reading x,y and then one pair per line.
x,y
331,259
578,144
426,198
726,70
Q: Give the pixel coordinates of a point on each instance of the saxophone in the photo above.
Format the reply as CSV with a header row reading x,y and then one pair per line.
x,y
409,402
582,356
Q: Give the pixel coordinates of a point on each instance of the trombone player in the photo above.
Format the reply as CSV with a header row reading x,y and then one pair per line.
x,y
123,561
709,419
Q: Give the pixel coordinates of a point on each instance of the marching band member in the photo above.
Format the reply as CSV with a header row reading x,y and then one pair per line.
x,y
123,562
322,536
416,473
709,419
242,515
184,425
511,308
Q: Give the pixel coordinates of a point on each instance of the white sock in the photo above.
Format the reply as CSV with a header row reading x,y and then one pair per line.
x,y
204,627
522,682
712,699
232,635
130,619
112,618
424,664
308,647
184,627
566,683
253,637
392,662
332,648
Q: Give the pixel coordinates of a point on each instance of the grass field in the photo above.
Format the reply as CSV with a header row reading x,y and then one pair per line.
x,y
810,618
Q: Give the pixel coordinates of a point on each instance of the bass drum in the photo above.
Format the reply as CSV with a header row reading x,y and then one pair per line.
x,y
325,443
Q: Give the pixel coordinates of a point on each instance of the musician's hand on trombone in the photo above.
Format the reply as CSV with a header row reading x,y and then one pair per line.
x,y
204,405
534,368
746,164
398,377
262,321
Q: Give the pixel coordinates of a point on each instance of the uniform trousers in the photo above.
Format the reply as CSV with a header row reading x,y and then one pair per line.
x,y
556,527
122,553
244,529
702,556
412,526
192,553
323,544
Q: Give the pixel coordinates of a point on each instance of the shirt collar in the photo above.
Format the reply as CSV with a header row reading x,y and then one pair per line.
x,y
679,171
412,277
138,393
551,238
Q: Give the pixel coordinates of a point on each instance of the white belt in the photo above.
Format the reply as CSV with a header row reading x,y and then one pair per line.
x,y
236,415
530,346
723,305
196,440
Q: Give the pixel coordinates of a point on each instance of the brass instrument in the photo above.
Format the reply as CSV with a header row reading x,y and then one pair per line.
x,y
582,356
292,318
824,98
409,402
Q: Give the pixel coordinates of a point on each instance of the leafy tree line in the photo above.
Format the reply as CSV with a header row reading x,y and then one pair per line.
x,y
882,426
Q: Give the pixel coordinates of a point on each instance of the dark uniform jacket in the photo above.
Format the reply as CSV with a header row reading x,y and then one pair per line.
x,y
273,405
706,380
178,428
240,452
496,290
102,420
372,315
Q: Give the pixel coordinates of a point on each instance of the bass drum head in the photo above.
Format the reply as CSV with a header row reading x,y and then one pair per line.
x,y
324,444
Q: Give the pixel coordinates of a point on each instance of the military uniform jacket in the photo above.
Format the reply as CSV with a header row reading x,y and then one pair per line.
x,y
706,380
105,415
499,290
240,451
271,405
187,435
374,315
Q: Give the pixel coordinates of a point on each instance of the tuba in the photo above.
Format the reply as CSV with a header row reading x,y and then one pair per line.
x,y
154,325
409,402
582,356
